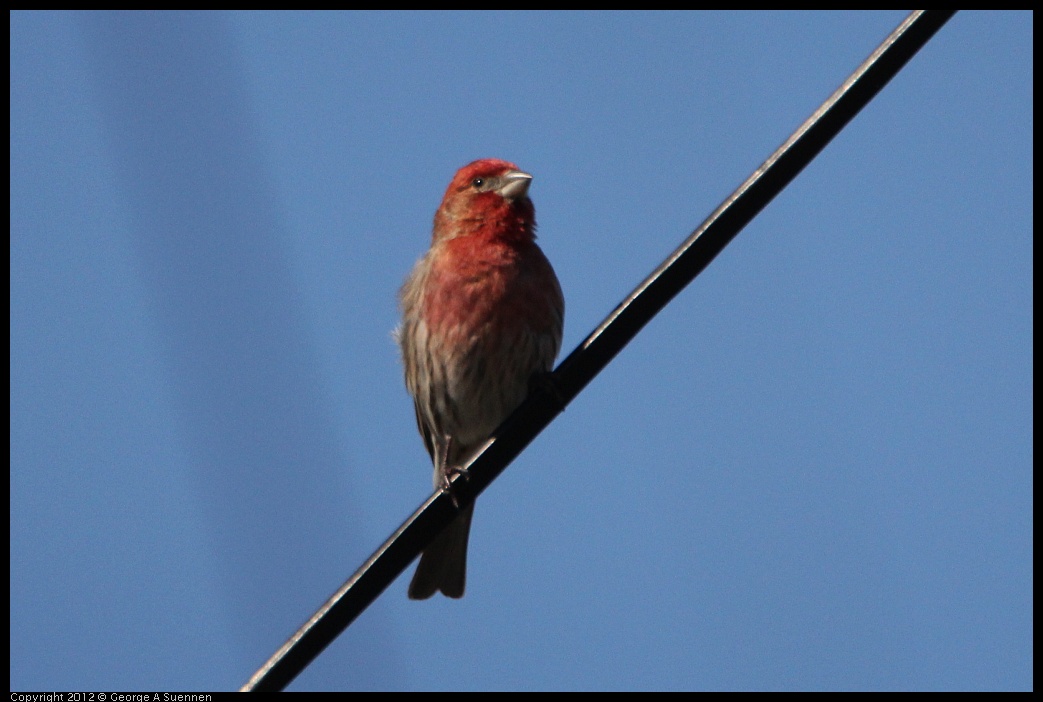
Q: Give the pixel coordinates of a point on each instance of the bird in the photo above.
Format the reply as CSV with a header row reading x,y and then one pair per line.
x,y
482,318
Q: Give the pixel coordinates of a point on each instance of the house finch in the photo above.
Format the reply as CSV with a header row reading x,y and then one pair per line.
x,y
482,314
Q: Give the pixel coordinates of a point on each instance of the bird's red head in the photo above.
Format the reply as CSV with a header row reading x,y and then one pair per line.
x,y
487,196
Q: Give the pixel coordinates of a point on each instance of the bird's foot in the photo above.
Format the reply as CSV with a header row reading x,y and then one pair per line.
x,y
546,383
446,486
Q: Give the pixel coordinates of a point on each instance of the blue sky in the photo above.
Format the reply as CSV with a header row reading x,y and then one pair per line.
x,y
811,471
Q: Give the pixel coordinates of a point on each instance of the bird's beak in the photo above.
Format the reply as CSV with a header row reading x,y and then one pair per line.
x,y
515,184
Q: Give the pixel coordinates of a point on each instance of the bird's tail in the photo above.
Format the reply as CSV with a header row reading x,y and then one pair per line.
x,y
443,564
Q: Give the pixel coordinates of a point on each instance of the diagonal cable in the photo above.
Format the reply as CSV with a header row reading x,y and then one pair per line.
x,y
549,398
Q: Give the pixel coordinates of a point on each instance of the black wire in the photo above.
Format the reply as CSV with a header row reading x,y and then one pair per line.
x,y
548,399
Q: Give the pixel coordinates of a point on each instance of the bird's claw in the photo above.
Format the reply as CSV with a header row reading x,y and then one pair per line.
x,y
447,482
546,383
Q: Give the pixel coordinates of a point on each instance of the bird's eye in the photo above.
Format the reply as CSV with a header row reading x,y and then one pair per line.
x,y
478,182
